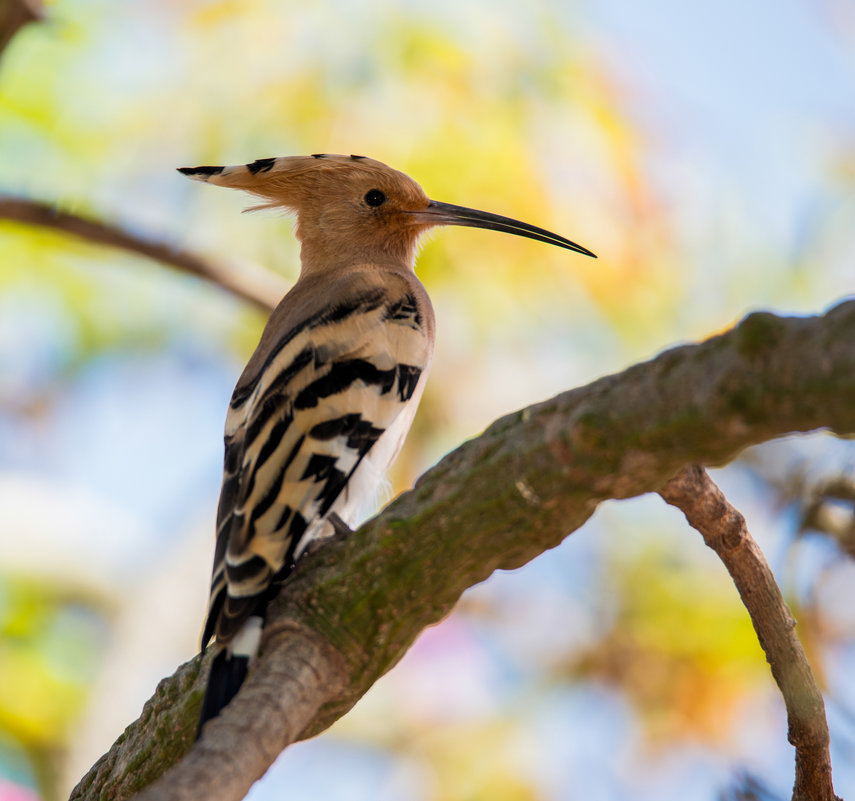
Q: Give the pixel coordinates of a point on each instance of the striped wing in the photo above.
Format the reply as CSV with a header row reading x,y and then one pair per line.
x,y
299,430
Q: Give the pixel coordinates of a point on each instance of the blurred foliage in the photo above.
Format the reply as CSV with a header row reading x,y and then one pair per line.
x,y
748,788
50,639
681,645
87,112
514,108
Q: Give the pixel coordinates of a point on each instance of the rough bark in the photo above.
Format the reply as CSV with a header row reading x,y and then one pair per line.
x,y
495,503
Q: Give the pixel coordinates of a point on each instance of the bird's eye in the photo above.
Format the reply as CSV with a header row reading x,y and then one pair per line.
x,y
374,197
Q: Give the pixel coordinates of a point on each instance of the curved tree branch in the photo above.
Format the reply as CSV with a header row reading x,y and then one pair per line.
x,y
250,282
14,14
724,530
495,503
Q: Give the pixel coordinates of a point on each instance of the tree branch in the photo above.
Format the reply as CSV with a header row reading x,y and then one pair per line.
x,y
304,673
250,282
14,14
724,530
495,503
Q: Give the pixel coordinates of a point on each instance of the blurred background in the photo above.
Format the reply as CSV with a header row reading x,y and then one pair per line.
x,y
706,152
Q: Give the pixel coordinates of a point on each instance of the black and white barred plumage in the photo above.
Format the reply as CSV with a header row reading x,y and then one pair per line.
x,y
315,420
325,402
308,427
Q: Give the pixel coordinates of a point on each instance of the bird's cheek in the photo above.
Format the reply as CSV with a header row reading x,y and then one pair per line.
x,y
344,219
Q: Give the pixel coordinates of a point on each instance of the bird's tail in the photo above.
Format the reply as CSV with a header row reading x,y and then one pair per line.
x,y
228,671
227,674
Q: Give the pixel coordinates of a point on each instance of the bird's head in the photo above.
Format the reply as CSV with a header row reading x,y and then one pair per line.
x,y
353,209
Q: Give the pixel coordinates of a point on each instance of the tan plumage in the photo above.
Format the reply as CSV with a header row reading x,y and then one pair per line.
x,y
327,398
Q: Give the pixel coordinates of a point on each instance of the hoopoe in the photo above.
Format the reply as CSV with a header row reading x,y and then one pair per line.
x,y
323,406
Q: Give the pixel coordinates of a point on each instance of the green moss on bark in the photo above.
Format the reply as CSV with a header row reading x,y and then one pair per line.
x,y
501,499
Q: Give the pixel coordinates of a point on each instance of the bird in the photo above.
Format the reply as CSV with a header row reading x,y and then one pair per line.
x,y
323,406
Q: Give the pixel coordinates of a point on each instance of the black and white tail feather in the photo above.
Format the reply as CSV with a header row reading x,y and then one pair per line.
x,y
229,669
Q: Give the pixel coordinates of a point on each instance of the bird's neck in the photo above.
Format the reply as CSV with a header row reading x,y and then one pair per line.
x,y
330,256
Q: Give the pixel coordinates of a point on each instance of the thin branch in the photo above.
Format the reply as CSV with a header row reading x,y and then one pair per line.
x,y
14,14
261,287
500,500
724,530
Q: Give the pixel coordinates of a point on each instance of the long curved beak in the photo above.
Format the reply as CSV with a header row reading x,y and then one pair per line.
x,y
447,214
